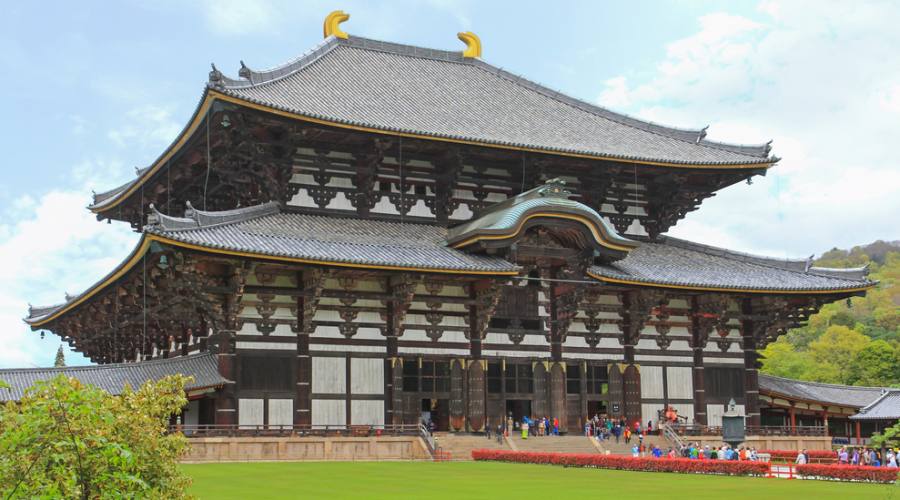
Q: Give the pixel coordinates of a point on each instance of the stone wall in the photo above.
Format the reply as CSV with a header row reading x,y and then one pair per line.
x,y
248,449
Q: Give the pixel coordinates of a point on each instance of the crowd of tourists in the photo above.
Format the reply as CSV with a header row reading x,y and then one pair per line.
x,y
546,426
860,456
604,428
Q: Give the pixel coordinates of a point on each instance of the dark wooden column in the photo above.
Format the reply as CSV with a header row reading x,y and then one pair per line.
x,y
393,400
698,343
222,344
555,337
302,401
485,295
636,307
558,408
751,365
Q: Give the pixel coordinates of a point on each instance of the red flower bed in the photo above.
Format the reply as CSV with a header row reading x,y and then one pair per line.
x,y
849,472
685,465
792,454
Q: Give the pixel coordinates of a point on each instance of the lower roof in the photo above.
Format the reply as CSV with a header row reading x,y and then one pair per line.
x,y
839,395
112,378
674,263
886,407
265,232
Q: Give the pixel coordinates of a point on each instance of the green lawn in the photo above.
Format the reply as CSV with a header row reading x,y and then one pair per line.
x,y
467,480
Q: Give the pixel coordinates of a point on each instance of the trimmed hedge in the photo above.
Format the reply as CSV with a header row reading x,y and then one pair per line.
x,y
683,465
848,472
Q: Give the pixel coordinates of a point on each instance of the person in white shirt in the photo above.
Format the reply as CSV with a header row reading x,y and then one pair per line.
x,y
801,458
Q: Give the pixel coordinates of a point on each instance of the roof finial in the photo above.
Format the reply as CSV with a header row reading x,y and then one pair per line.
x,y
332,22
473,44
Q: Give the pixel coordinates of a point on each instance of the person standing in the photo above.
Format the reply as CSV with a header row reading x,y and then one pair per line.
x,y
555,426
801,458
525,428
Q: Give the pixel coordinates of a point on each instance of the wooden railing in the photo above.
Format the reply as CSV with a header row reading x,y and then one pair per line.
x,y
212,430
713,430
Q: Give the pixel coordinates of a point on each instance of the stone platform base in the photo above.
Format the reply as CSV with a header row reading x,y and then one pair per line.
x,y
244,449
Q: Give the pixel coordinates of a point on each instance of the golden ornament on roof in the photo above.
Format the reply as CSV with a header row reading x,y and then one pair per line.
x,y
332,24
473,44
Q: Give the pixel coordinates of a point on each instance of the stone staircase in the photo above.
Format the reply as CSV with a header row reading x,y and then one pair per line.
x,y
623,448
554,444
460,446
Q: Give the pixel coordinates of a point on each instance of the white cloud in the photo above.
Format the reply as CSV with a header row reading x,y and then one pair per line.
x,y
55,246
146,126
822,80
241,17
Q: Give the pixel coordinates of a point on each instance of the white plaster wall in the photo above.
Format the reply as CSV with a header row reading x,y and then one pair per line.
x,y
281,411
680,382
329,375
244,344
367,412
652,382
250,412
366,376
328,412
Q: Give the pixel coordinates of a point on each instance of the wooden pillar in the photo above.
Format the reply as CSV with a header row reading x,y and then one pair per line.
x,y
555,336
793,419
858,433
632,323
393,370
475,394
226,402
302,401
825,419
303,390
557,384
751,370
698,341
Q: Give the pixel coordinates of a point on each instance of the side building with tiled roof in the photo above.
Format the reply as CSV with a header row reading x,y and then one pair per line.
x,y
377,234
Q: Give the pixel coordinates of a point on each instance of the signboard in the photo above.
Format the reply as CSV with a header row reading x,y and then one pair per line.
x,y
615,408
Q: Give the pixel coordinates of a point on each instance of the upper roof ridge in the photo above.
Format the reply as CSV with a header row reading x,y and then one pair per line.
x,y
253,78
195,219
249,77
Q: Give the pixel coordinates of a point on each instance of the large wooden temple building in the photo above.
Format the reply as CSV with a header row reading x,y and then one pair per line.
x,y
376,230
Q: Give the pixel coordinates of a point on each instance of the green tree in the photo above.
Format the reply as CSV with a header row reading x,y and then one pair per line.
x,y
67,440
782,360
60,358
834,354
877,364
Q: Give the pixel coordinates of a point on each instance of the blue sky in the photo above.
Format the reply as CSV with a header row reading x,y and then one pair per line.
x,y
92,90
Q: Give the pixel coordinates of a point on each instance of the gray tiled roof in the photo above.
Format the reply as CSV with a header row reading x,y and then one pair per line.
x,y
437,93
112,378
844,395
670,261
886,407
401,88
266,231
553,196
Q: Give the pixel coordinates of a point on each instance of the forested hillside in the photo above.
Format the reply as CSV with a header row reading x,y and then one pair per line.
x,y
855,342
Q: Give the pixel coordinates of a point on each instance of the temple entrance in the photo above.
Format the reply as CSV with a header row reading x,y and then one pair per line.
x,y
596,408
518,408
437,411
